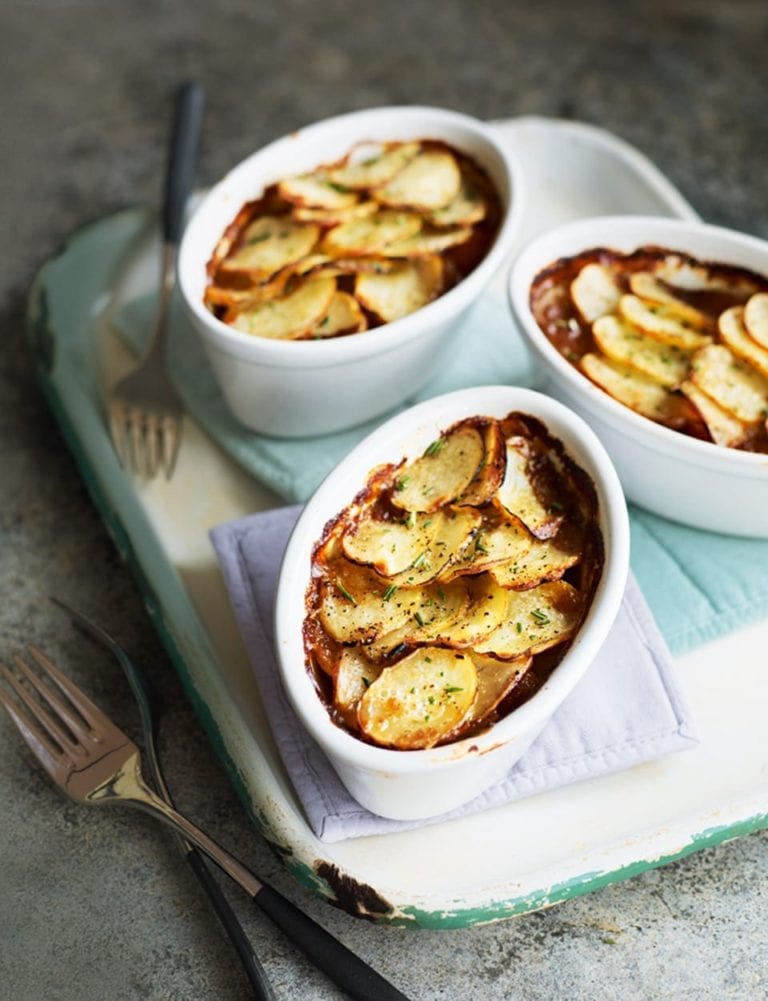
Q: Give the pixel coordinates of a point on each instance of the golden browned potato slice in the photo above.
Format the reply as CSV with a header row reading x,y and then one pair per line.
x,y
509,541
495,680
370,235
735,386
241,298
432,608
486,611
401,290
420,700
490,475
734,334
625,384
518,497
428,241
355,674
390,546
344,316
594,292
337,216
455,532
535,620
316,191
370,165
292,315
445,470
756,318
660,322
648,287
697,278
269,244
355,604
664,363
725,429
545,560
431,180
467,208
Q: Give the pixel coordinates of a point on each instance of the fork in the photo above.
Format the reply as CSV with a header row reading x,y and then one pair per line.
x,y
94,762
145,411
148,715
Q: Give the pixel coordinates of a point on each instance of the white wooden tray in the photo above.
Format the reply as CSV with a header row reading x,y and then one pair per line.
x,y
527,855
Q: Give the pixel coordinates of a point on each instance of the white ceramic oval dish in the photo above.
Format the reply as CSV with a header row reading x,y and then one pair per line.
x,y
407,785
295,389
690,481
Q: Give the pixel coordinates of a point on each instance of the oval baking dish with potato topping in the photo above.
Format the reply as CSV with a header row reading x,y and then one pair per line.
x,y
677,340
354,244
450,588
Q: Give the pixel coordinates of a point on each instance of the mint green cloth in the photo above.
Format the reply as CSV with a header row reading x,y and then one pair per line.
x,y
698,585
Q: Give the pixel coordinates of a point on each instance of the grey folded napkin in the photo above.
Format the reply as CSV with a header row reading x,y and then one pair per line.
x,y
626,710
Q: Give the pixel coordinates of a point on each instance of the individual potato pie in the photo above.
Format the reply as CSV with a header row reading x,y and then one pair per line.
x,y
354,244
680,341
445,594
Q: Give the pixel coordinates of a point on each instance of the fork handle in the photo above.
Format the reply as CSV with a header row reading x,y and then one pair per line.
x,y
182,154
328,954
262,991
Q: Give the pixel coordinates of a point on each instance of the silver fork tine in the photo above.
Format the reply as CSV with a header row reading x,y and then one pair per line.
x,y
136,439
117,429
151,454
61,710
40,744
170,440
90,712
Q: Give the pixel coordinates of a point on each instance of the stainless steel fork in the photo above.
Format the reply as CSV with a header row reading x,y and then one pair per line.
x,y
94,762
145,411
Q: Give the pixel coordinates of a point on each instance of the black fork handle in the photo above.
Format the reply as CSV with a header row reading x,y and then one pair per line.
x,y
182,157
343,967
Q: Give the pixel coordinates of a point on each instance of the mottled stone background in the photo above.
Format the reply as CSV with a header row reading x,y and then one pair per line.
x,y
96,905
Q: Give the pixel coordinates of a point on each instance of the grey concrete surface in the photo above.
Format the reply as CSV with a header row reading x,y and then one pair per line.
x,y
96,905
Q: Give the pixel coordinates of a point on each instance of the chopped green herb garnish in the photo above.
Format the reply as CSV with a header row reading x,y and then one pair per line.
x,y
419,619
366,683
337,187
257,238
541,617
420,560
434,447
401,483
449,689
345,592
519,626
480,545
392,589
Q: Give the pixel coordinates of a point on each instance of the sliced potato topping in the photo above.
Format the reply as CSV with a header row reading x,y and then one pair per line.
x,y
390,546
731,383
431,180
316,190
344,316
661,322
756,318
724,428
518,494
401,290
371,234
495,680
535,620
354,676
271,243
420,700
664,363
734,334
443,473
646,285
292,315
370,165
468,207
448,546
336,216
627,385
387,212
594,292
421,622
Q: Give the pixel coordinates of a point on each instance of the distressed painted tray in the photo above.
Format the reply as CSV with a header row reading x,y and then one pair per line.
x,y
525,856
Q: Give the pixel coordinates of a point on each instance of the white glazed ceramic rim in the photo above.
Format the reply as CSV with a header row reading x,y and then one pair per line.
x,y
368,124
715,244
408,434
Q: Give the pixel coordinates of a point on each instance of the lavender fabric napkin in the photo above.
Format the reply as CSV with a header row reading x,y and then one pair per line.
x,y
626,710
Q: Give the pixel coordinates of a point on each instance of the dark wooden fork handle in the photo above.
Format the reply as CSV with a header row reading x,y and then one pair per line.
x,y
346,969
182,153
